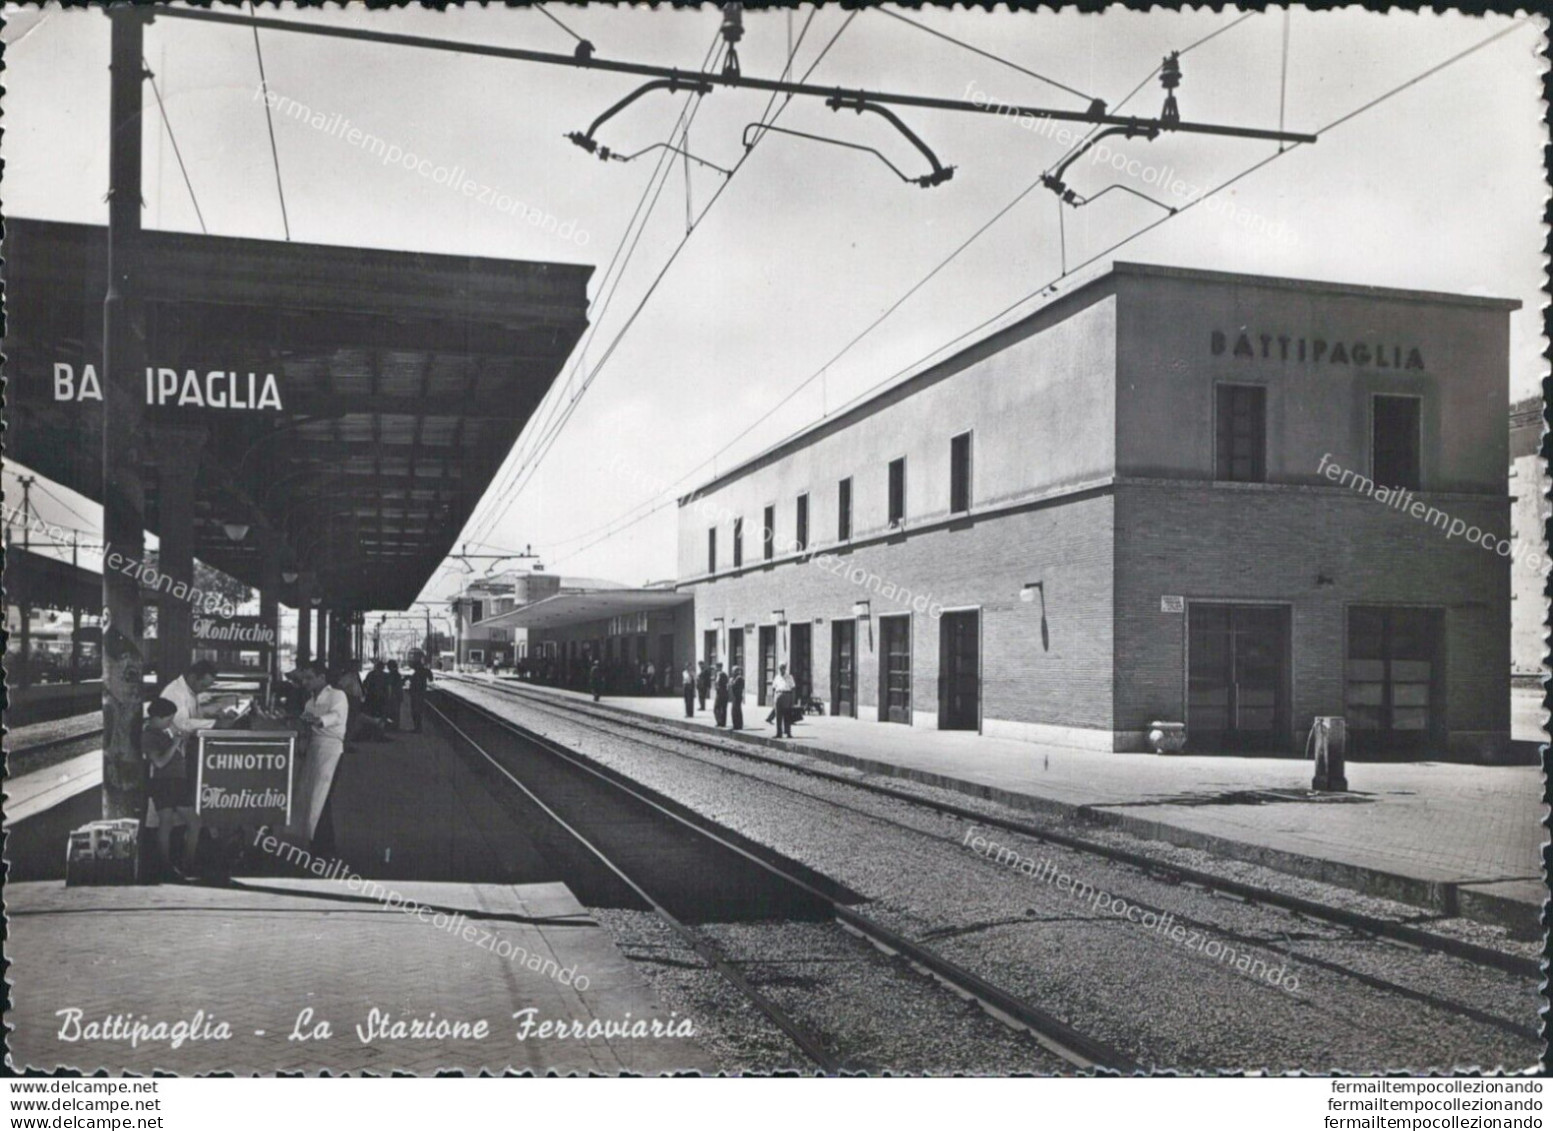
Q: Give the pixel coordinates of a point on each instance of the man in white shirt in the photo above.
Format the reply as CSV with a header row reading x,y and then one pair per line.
x,y
783,685
184,693
326,713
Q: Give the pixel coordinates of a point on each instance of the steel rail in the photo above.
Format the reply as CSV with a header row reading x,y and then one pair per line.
x,y
1251,893
737,81
1516,1028
1052,1033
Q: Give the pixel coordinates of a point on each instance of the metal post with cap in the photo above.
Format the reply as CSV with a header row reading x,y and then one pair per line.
x,y
123,494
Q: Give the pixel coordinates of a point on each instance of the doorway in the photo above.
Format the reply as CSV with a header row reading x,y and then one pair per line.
x,y
1238,677
1393,693
959,671
843,668
800,660
768,662
895,669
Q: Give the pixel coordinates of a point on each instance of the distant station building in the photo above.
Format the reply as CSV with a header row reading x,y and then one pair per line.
x,y
488,637
1174,495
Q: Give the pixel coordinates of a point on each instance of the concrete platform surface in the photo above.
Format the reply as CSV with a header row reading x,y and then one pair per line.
x,y
252,970
1442,835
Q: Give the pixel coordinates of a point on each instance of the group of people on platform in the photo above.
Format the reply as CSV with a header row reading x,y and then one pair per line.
x,y
617,677
327,709
726,690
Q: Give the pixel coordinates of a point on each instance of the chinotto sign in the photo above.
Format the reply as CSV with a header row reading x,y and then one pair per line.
x,y
237,630
245,777
217,388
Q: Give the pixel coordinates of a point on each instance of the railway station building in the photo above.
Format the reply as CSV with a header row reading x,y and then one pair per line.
x,y
1229,501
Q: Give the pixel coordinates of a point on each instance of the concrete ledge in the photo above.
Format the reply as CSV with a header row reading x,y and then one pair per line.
x,y
1485,901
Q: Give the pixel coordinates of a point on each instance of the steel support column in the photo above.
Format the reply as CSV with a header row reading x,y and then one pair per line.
x,y
123,494
178,467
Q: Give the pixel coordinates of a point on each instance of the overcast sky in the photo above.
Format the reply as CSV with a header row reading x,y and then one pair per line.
x,y
1438,188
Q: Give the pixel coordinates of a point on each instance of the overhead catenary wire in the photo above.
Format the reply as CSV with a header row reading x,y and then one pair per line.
x,y
614,344
545,12
652,288
896,305
269,120
987,54
1010,308
168,126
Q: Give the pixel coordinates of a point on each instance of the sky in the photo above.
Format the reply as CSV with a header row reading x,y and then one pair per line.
x,y
687,371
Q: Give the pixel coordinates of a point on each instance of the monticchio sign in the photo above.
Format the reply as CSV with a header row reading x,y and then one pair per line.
x,y
234,631
245,778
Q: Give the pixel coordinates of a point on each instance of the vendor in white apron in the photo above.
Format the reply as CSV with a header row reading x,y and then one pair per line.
x,y
326,713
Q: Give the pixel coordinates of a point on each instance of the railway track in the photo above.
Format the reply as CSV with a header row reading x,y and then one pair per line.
x,y
1397,932
40,745
1402,936
1070,1047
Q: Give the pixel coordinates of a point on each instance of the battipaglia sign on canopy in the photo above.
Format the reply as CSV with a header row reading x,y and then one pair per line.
x,y
217,388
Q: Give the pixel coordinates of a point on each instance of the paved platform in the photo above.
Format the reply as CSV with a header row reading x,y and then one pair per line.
x,y
243,965
292,932
1452,838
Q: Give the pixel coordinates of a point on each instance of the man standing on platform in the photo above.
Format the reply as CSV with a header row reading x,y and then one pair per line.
x,y
704,683
326,714
720,703
596,680
184,694
736,698
420,681
688,686
783,685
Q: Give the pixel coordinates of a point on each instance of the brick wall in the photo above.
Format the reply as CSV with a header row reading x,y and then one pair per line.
x,y
1250,543
1062,678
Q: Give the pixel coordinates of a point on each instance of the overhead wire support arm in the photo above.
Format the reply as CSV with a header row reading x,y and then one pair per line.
x,y
674,83
859,102
733,81
1053,180
764,129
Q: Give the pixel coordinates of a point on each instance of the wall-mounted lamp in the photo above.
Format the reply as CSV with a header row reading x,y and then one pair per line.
x,y
1027,594
860,610
289,576
778,617
717,622
317,601
236,531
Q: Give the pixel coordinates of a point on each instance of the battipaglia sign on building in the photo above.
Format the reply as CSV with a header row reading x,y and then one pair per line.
x,y
1316,351
217,388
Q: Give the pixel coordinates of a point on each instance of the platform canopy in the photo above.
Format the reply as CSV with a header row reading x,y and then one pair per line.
x,y
566,609
347,406
45,582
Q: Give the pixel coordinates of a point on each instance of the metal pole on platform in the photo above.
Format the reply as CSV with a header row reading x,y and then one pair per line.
x,y
26,603
123,494
177,469
75,616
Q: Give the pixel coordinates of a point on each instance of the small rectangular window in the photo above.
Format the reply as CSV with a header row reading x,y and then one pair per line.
x,y
768,535
738,542
801,522
898,491
711,550
1395,442
1240,421
844,510
960,473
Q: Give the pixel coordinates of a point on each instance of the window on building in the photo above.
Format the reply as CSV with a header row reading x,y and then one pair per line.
x,y
960,473
768,534
711,550
738,542
844,510
898,491
1240,419
801,535
1395,442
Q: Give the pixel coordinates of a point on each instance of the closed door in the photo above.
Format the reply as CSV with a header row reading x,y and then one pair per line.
x,y
1393,674
800,659
843,668
959,671
1237,694
895,669
709,646
735,650
768,661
